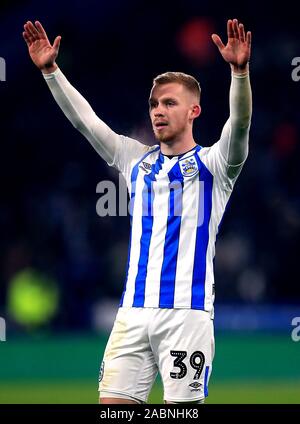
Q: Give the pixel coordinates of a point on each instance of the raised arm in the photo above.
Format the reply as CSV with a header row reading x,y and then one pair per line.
x,y
235,134
75,107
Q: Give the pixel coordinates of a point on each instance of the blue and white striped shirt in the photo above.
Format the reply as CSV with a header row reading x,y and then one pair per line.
x,y
177,204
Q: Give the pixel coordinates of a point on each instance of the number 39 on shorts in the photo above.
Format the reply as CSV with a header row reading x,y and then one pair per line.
x,y
196,360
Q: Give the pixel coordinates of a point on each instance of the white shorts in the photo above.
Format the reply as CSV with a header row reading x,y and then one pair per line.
x,y
179,343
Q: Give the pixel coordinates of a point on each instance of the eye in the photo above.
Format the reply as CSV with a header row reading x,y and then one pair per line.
x,y
170,103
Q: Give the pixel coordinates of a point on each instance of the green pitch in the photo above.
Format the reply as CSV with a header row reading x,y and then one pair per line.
x,y
248,368
83,392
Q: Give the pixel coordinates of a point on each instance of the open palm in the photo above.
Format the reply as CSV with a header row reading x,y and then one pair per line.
x,y
42,53
238,48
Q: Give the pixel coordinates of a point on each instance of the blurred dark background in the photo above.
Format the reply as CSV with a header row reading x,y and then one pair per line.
x,y
59,260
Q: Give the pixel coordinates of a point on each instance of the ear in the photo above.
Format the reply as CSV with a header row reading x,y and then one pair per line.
x,y
195,111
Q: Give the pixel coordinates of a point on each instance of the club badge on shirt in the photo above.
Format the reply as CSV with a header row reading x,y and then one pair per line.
x,y
188,166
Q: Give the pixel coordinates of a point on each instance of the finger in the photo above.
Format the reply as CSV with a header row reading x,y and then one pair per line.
x,y
230,32
241,33
29,36
56,43
41,30
249,38
218,42
33,29
26,38
29,29
235,28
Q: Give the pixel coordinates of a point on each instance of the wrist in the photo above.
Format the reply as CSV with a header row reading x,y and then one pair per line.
x,y
240,70
49,69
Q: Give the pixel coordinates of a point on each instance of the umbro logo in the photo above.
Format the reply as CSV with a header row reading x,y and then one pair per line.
x,y
195,386
145,166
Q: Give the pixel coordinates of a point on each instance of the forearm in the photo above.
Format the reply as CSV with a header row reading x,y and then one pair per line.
x,y
82,116
234,147
240,99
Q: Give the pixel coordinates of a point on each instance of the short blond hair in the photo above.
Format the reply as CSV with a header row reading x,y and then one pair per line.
x,y
181,78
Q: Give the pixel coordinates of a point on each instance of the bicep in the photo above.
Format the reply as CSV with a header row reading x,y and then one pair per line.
x,y
234,146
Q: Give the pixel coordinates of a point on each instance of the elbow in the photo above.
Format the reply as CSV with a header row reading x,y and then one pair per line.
x,y
242,122
77,124
85,123
245,123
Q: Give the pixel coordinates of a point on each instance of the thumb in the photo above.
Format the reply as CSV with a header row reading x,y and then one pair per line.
x,y
218,42
56,43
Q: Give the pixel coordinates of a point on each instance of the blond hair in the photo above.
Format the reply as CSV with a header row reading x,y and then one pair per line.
x,y
186,80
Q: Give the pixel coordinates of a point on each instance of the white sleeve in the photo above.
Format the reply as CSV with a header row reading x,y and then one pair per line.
x,y
115,149
226,157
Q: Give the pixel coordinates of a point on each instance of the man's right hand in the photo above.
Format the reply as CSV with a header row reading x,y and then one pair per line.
x,y
42,53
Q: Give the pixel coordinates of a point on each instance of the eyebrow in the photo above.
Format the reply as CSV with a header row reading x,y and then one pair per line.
x,y
166,99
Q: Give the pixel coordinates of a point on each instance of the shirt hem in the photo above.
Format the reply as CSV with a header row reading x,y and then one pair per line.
x,y
167,306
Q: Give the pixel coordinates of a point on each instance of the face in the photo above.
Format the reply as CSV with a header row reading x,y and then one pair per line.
x,y
172,109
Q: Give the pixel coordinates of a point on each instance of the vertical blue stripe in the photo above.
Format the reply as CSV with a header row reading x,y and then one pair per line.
x,y
127,268
206,381
134,174
168,271
147,224
202,237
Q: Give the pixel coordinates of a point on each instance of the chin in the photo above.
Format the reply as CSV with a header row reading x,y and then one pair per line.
x,y
164,138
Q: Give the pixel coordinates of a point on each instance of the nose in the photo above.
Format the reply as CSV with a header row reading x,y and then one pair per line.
x,y
158,112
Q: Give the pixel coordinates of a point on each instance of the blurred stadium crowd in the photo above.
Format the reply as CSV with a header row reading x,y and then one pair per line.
x,y
51,235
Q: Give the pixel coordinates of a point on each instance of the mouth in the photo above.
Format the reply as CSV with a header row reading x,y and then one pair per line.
x,y
160,124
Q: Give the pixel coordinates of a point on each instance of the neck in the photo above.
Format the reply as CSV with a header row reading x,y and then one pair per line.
x,y
174,147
